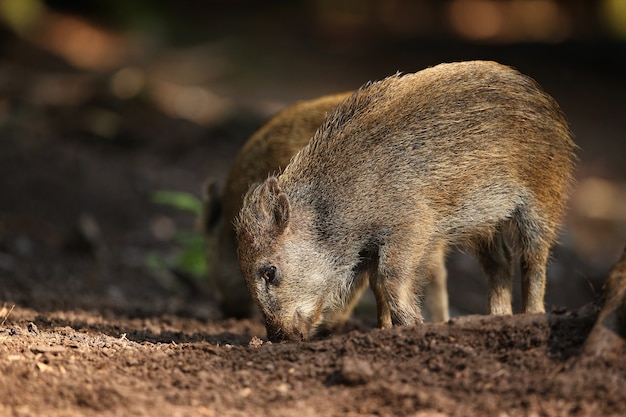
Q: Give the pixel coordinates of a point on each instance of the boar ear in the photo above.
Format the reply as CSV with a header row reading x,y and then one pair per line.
x,y
276,205
281,212
272,186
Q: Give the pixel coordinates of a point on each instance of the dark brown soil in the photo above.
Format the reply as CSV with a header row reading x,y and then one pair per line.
x,y
80,363
87,329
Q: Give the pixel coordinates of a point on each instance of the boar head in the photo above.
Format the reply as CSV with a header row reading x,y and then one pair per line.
x,y
285,270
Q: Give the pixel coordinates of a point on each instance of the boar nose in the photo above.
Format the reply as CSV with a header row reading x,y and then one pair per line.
x,y
274,332
298,330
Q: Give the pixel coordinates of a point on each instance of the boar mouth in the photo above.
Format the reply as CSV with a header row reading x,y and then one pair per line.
x,y
298,332
301,327
277,334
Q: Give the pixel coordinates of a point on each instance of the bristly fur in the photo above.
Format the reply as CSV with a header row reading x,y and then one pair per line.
x,y
456,154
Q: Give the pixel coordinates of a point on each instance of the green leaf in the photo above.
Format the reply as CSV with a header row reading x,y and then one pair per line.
x,y
190,253
193,261
192,258
180,200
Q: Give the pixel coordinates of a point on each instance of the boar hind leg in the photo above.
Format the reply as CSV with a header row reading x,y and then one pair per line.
x,y
533,260
533,267
536,234
436,291
497,262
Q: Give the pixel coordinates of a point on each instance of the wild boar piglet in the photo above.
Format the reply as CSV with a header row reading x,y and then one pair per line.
x,y
473,154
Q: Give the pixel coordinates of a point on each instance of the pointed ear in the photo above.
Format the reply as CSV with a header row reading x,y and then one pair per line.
x,y
272,185
276,205
282,211
268,191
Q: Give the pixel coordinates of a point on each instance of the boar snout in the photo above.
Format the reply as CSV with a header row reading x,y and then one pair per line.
x,y
274,332
299,329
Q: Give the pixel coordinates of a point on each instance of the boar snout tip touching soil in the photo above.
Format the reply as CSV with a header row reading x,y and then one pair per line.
x,y
471,154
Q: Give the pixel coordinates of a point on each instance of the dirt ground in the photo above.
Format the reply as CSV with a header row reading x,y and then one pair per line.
x,y
87,329
77,363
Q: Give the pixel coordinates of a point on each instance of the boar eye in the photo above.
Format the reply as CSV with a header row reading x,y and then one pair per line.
x,y
269,275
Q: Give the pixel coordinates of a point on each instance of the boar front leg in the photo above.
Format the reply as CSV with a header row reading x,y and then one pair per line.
x,y
338,318
396,285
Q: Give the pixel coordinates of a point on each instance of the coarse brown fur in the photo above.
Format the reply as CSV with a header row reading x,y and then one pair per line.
x,y
457,154
266,152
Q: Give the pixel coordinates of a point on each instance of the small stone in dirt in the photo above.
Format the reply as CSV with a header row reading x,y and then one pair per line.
x,y
245,393
32,328
15,331
255,342
282,388
355,371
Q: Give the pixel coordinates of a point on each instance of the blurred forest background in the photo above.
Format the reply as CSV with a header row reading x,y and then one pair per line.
x,y
104,102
